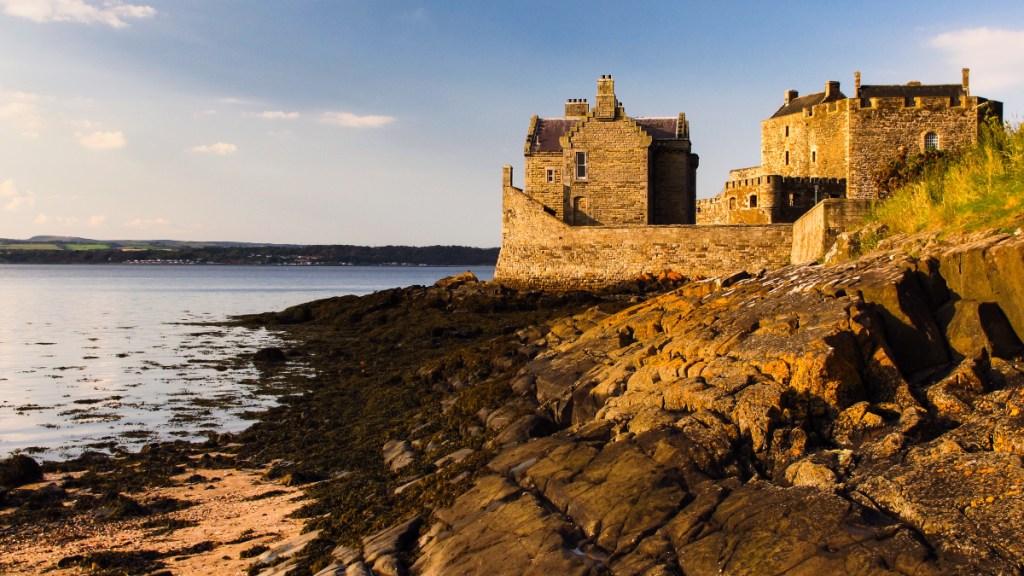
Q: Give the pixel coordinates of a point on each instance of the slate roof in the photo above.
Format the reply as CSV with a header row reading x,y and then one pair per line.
x,y
798,104
906,91
550,130
659,128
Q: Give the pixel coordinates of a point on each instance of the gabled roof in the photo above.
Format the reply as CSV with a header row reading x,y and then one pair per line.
x,y
550,130
659,128
911,91
798,104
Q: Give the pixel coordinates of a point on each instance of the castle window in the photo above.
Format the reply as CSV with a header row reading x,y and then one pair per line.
x,y
753,201
931,141
814,155
954,101
549,175
909,102
787,157
732,203
787,131
581,165
792,199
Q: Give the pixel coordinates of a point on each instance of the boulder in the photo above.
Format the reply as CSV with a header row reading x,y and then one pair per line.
x,y
18,470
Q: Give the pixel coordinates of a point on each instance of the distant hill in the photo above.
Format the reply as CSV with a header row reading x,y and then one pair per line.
x,y
75,250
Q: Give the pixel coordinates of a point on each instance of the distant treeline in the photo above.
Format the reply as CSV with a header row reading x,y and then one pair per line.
x,y
268,255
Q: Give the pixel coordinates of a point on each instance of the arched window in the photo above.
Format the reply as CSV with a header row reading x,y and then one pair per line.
x,y
753,201
732,203
931,141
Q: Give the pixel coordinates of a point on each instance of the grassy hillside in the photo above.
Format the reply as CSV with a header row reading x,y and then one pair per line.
x,y
978,188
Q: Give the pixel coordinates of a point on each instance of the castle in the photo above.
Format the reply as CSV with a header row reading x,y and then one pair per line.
x,y
608,197
601,167
828,145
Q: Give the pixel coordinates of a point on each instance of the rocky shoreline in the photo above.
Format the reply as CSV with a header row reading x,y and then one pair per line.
x,y
862,418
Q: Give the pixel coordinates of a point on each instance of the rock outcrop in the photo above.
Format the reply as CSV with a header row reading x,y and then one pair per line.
x,y
864,418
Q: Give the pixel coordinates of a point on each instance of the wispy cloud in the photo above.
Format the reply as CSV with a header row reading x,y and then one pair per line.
x,y
13,199
233,101
278,115
101,140
113,13
97,220
21,111
47,220
994,55
350,120
218,149
147,223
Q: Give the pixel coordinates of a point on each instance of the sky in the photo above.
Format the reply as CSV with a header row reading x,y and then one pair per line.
x,y
384,122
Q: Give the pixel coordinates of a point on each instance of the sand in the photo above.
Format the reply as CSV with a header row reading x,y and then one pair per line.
x,y
225,513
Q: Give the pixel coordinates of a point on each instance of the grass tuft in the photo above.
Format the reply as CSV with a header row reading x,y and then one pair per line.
x,y
979,188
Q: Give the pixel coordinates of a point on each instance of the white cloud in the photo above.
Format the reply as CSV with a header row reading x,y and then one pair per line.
x,y
219,149
234,101
21,111
101,140
45,220
994,55
350,120
13,199
113,13
278,115
147,223
97,220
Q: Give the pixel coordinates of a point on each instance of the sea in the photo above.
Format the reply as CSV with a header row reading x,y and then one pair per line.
x,y
111,357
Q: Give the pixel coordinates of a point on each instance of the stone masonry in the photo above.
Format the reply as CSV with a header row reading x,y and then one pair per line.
x,y
608,197
828,145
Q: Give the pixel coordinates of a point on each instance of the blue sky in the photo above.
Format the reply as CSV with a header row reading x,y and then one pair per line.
x,y
387,122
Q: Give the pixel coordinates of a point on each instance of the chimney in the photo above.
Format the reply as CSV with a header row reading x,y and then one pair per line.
x,y
506,176
791,95
576,108
856,84
967,81
606,103
831,90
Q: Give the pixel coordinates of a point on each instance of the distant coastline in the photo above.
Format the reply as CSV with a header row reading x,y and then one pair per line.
x,y
63,250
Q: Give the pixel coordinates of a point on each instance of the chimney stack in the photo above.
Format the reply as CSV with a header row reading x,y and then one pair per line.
x,y
831,90
576,108
606,103
967,81
856,84
791,95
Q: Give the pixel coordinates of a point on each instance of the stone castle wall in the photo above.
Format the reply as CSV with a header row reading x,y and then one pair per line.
x,y
878,131
819,228
616,187
540,252
816,142
551,194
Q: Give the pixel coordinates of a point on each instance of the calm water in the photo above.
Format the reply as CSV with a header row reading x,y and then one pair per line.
x,y
101,356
